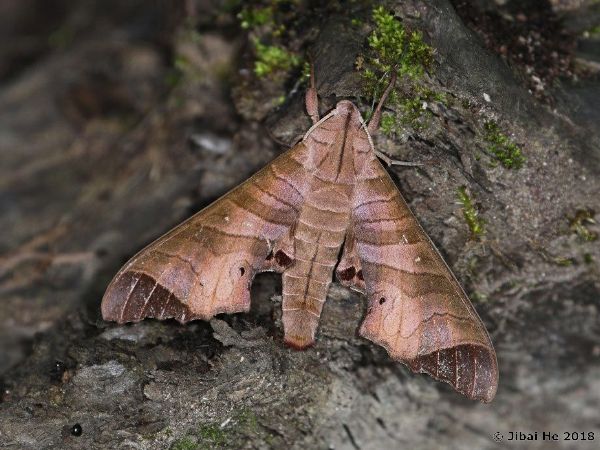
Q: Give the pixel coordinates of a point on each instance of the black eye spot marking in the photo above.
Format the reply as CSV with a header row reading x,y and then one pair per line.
x,y
382,300
282,259
242,271
347,274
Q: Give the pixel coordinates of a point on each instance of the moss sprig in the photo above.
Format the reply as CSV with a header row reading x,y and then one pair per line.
x,y
580,222
502,147
266,27
475,223
393,48
255,17
272,58
396,48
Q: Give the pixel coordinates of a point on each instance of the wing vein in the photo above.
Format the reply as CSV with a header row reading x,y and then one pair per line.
x,y
128,297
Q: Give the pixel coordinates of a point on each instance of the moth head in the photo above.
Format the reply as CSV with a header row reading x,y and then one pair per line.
x,y
363,146
346,107
349,115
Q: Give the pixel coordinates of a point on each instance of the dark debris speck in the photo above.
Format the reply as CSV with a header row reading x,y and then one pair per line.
x,y
76,430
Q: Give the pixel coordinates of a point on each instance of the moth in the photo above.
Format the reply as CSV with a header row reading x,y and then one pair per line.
x,y
326,205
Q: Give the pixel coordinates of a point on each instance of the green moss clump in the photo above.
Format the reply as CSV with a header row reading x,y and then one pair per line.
x,y
271,59
395,49
412,112
266,24
388,124
392,49
255,17
579,225
247,419
476,224
479,297
185,443
563,261
593,32
212,434
305,75
502,147
413,108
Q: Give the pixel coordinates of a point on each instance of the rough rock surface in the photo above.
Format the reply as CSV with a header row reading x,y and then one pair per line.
x,y
104,147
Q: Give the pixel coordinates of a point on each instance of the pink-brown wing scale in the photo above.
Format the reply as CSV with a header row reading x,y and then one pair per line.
x,y
205,266
416,309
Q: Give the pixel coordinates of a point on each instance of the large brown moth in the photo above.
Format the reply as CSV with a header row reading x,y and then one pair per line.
x,y
327,193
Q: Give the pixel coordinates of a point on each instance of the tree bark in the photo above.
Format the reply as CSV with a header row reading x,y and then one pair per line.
x,y
105,146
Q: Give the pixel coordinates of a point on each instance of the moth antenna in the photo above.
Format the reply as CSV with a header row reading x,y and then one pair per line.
x,y
374,123
310,130
366,128
312,99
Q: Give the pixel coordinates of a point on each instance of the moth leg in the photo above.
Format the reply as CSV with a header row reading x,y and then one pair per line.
x,y
376,118
311,99
394,162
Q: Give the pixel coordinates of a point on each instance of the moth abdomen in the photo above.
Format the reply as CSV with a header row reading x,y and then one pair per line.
x,y
318,237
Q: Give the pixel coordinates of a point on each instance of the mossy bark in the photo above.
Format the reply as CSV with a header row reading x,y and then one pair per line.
x,y
115,135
